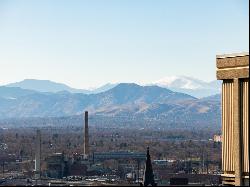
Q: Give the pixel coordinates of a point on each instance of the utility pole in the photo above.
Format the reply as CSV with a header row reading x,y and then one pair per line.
x,y
203,164
38,155
138,177
207,162
3,168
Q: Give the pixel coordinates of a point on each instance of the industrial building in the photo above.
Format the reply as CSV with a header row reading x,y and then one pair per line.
x,y
233,69
59,166
56,165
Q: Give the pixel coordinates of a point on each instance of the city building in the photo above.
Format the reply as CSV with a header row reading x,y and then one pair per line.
x,y
217,138
233,69
56,165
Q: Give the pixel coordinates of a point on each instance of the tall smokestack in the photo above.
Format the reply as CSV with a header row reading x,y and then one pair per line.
x,y
38,155
86,136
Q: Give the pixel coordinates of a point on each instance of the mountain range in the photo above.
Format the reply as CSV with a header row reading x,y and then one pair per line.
x,y
29,103
49,86
123,101
184,84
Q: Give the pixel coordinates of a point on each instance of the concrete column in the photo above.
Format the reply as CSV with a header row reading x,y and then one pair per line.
x,y
237,132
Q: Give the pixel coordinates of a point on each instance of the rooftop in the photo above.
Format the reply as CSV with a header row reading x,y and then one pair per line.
x,y
233,55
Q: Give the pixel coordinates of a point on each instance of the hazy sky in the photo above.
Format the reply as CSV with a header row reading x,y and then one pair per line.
x,y
90,43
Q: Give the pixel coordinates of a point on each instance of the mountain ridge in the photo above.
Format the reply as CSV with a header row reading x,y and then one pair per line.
x,y
184,84
32,103
125,102
45,86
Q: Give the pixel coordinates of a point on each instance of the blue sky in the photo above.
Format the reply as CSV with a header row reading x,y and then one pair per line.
x,y
89,43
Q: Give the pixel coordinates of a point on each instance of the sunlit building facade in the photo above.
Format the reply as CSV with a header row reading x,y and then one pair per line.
x,y
233,69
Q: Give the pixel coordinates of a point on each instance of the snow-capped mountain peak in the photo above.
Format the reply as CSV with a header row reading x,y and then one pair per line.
x,y
180,82
189,85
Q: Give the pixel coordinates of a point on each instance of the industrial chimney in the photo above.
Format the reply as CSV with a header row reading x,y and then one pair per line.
x,y
38,155
86,136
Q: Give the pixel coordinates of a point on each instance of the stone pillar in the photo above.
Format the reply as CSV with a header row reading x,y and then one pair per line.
x,y
86,136
237,132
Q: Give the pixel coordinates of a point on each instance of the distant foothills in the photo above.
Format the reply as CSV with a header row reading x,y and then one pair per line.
x,y
165,102
194,87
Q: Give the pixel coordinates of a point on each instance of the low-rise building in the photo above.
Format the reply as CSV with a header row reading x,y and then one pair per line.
x,y
56,166
217,138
